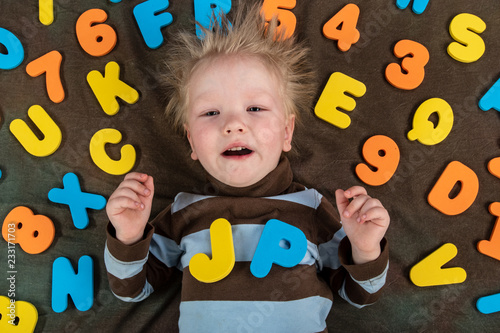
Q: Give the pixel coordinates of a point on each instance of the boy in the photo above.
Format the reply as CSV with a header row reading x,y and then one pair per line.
x,y
237,94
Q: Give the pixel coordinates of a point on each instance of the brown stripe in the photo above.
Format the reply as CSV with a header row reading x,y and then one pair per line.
x,y
130,287
281,284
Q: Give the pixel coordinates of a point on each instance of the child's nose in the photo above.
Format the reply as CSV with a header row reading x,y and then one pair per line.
x,y
234,125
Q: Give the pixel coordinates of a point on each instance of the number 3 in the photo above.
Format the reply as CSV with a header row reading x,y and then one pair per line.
x,y
410,74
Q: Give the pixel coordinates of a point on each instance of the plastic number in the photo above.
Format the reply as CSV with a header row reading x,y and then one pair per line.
x,y
33,232
101,158
410,74
26,313
50,64
423,129
95,39
281,8
342,27
382,153
454,173
51,132
464,29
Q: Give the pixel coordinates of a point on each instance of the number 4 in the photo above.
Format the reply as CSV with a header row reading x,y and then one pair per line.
x,y
342,27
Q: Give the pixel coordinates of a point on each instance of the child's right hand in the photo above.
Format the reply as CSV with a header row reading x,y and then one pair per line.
x,y
129,207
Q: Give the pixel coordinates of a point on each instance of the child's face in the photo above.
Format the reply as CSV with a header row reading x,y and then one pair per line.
x,y
236,122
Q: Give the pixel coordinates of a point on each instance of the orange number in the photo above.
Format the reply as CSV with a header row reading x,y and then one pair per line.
x,y
286,19
50,64
382,153
410,74
342,27
33,232
96,39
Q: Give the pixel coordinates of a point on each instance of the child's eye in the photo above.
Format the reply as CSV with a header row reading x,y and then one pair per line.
x,y
211,113
254,109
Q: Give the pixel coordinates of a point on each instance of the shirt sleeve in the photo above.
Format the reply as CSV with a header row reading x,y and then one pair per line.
x,y
134,271
360,285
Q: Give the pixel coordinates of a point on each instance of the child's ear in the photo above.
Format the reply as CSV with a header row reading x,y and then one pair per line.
x,y
289,127
188,135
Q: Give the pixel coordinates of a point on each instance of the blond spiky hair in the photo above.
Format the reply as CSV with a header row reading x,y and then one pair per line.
x,y
247,34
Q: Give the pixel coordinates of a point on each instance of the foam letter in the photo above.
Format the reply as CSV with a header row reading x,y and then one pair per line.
x,y
342,27
95,39
423,129
78,201
101,158
410,74
464,29
439,197
33,232
150,23
209,270
204,11
15,51
281,244
428,272
108,87
492,98
26,312
491,247
46,11
52,134
418,5
333,97
66,282
50,64
282,10
488,304
382,153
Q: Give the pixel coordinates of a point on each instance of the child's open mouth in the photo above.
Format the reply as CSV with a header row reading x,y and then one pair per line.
x,y
237,151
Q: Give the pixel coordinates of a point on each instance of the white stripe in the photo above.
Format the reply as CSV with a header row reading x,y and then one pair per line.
x,y
122,269
166,250
309,197
304,315
371,286
245,239
146,291
329,251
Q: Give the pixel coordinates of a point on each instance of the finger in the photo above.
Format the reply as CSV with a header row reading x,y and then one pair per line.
x,y
378,216
138,176
356,205
138,187
342,201
119,204
149,183
125,192
355,191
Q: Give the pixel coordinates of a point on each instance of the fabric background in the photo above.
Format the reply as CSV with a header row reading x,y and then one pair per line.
x,y
326,157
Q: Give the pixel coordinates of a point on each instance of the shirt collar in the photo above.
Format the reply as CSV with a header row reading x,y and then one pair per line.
x,y
274,183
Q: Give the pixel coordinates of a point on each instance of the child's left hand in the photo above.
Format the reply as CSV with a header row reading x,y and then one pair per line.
x,y
365,222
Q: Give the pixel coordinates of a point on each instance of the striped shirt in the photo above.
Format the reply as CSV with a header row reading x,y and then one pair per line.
x,y
296,299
